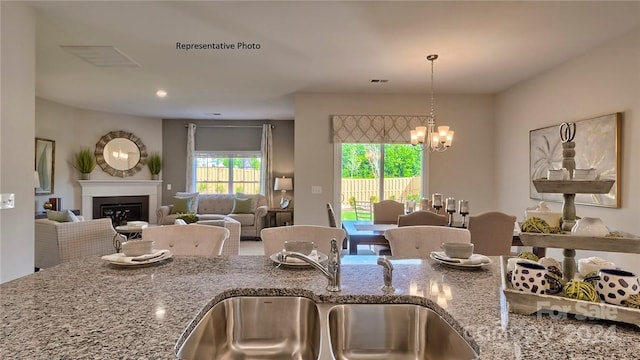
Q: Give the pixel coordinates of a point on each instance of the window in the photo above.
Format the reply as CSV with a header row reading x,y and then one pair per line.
x,y
374,172
227,173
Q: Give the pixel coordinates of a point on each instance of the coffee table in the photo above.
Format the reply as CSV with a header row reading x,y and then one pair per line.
x,y
132,232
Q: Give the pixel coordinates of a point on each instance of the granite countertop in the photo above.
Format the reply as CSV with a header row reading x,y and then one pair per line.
x,y
91,309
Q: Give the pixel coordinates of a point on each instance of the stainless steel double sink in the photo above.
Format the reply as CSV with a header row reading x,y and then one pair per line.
x,y
298,328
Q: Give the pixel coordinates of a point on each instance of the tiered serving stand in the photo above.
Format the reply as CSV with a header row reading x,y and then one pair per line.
x,y
520,302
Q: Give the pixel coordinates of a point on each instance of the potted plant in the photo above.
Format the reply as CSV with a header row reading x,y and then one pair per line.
x,y
154,162
85,162
187,217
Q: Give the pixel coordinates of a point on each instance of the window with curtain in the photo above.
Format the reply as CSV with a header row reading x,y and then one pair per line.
x,y
375,172
220,172
376,161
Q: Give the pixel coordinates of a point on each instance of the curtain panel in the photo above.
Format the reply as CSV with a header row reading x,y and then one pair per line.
x,y
266,146
191,165
375,129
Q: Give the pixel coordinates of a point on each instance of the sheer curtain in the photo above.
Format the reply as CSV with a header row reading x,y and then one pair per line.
x,y
266,147
191,165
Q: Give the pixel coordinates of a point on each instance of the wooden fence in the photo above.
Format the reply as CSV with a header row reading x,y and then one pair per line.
x,y
361,190
399,189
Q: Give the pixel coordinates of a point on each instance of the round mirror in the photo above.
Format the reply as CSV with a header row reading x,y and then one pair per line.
x,y
120,153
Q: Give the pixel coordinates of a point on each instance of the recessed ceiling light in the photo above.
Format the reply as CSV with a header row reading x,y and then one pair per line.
x,y
161,93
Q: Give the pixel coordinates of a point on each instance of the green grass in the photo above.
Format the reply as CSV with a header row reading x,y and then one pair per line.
x,y
349,215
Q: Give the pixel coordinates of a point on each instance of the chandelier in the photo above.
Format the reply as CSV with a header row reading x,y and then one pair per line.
x,y
438,138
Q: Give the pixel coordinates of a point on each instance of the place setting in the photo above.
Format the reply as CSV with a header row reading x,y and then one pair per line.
x,y
304,247
460,255
137,253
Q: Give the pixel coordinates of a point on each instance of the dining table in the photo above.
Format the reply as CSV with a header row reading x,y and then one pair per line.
x,y
367,233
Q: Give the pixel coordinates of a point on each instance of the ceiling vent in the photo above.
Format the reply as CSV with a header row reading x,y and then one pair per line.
x,y
103,56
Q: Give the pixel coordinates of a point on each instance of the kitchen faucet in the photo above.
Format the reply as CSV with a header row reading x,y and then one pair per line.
x,y
331,272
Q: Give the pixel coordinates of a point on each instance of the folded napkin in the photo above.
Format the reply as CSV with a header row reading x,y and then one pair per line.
x,y
313,255
475,259
122,259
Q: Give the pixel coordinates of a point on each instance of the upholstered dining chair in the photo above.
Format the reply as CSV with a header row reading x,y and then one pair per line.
x,y
387,212
332,216
193,239
274,238
492,233
420,241
422,217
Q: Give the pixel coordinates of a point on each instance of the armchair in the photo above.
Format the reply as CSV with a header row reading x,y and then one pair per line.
x,y
59,242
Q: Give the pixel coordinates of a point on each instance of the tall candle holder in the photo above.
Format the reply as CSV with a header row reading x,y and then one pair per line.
x,y
463,207
451,209
436,199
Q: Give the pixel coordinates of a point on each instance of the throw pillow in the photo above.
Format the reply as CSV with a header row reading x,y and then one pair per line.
x,y
242,206
181,205
59,216
194,201
71,217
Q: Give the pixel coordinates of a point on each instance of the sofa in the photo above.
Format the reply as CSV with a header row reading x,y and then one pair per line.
x,y
249,210
59,242
232,245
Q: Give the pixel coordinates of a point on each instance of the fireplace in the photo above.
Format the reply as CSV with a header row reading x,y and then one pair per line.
x,y
121,188
121,208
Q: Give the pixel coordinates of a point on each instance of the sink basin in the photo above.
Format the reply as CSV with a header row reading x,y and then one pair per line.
x,y
393,331
256,328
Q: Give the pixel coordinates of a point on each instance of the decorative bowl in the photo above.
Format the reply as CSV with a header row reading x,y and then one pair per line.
x,y
458,250
588,226
137,247
303,247
593,264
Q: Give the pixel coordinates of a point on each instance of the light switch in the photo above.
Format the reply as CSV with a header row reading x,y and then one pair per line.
x,y
316,189
7,201
168,186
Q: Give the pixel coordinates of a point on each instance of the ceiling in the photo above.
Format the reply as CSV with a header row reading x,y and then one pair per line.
x,y
305,47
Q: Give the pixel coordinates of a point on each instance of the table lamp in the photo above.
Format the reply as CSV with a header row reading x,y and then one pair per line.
x,y
283,184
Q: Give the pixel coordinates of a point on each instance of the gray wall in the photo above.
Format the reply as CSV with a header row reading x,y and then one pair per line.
x,y
603,81
174,141
465,171
72,128
16,138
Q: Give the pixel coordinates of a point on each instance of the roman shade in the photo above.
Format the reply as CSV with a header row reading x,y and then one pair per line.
x,y
375,129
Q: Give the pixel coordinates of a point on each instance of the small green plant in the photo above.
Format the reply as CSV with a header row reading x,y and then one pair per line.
x,y
154,162
188,218
85,161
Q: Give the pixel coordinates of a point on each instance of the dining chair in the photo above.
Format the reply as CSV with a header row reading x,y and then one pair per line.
x,y
420,241
422,217
387,212
332,216
189,240
492,233
274,238
362,210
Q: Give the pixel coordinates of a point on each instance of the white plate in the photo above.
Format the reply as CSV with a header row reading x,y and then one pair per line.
x,y
274,257
458,265
121,260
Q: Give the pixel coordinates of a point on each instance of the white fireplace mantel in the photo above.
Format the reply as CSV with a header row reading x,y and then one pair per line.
x,y
91,188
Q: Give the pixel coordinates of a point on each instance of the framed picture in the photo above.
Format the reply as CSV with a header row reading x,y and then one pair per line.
x,y
45,164
597,146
